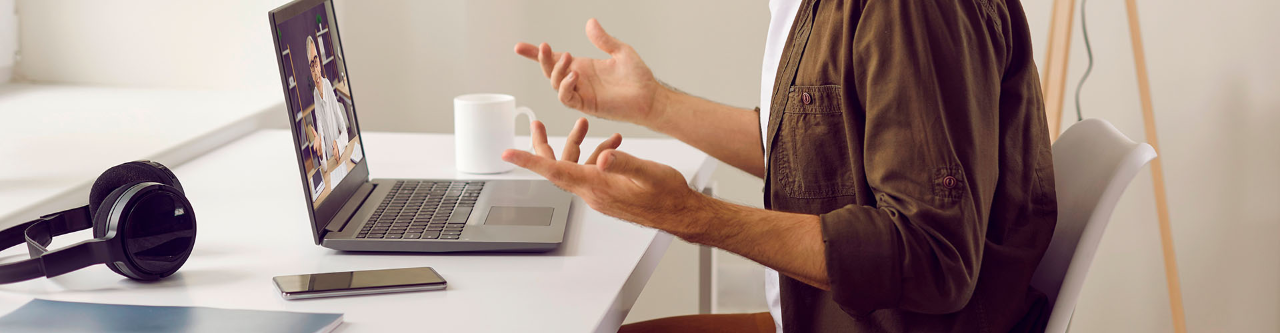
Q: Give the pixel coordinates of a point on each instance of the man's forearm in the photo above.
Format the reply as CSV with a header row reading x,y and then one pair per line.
x,y
729,134
787,242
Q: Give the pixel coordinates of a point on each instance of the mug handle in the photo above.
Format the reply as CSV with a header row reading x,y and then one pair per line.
x,y
524,110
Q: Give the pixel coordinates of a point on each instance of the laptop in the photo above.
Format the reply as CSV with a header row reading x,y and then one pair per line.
x,y
351,212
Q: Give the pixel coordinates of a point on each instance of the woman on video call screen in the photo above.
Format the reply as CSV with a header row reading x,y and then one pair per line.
x,y
319,99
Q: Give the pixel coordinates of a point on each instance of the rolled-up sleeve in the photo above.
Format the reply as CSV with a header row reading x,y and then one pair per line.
x,y
928,76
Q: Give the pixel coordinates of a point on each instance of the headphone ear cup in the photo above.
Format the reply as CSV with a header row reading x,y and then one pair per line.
x,y
103,216
173,179
131,172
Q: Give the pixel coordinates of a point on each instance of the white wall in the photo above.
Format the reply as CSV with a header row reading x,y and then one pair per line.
x,y
149,43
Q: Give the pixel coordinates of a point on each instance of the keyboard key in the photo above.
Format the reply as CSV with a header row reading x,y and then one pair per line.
x,y
460,216
431,235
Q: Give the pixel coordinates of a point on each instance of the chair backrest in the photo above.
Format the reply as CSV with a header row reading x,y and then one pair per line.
x,y
1093,164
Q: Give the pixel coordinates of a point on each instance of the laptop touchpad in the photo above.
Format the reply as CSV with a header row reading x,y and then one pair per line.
x,y
505,215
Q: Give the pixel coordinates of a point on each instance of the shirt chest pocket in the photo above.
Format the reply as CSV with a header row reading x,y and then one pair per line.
x,y
812,154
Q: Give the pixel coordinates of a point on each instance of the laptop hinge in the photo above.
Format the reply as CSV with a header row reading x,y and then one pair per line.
x,y
341,219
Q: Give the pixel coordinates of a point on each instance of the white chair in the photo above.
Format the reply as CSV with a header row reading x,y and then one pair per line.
x,y
1093,164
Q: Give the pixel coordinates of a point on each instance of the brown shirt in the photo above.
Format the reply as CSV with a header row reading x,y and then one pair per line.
x,y
916,129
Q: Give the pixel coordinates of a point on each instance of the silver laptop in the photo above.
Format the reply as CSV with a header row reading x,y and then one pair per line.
x,y
351,212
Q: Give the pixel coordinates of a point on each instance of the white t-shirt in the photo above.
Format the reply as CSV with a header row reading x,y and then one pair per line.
x,y
781,14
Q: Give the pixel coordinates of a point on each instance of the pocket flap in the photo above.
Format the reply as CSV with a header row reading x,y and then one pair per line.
x,y
813,99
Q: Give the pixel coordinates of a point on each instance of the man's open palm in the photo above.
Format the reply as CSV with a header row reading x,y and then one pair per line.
x,y
620,87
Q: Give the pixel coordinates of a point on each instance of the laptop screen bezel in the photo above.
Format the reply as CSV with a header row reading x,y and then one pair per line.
x,y
322,215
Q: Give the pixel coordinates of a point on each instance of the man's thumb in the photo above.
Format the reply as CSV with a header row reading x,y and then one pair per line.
x,y
602,39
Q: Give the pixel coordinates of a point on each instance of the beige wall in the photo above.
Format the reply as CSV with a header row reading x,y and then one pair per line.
x,y
1213,80
419,54
1212,66
8,38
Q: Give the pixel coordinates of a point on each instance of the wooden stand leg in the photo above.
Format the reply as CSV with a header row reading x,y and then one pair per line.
x,y
1054,80
1157,171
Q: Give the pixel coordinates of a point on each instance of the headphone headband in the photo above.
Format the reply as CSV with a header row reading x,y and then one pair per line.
x,y
38,234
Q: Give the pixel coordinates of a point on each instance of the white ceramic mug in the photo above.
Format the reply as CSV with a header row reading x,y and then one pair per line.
x,y
484,125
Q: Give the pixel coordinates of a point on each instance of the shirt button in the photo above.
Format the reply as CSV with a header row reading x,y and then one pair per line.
x,y
949,182
806,98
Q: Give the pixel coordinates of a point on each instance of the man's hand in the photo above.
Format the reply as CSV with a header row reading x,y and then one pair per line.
x,y
620,88
336,153
613,182
655,195
315,143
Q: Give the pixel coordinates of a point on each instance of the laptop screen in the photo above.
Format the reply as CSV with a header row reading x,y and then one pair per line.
x,y
320,105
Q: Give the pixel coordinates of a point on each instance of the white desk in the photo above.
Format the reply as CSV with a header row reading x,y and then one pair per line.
x,y
252,225
58,138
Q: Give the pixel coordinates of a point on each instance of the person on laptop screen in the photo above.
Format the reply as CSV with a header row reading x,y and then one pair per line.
x,y
320,101
331,119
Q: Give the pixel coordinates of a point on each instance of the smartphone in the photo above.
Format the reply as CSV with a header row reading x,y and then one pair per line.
x,y
359,282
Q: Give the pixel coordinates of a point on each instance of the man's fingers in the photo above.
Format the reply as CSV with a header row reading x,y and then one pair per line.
x,y
612,142
541,53
644,171
538,164
538,131
564,174
601,39
527,50
571,145
547,59
561,70
567,94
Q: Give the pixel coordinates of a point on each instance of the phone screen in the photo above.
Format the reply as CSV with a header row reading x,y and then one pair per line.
x,y
373,279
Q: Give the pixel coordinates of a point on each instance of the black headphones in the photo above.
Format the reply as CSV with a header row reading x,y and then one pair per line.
x,y
143,228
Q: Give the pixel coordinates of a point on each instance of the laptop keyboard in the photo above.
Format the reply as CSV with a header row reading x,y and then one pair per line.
x,y
423,210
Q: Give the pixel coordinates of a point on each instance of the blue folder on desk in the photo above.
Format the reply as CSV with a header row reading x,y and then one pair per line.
x,y
55,316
